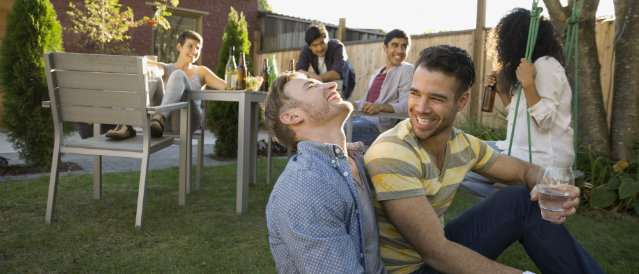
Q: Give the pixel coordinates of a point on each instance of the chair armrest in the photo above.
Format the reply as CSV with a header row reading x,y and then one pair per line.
x,y
46,104
167,107
381,114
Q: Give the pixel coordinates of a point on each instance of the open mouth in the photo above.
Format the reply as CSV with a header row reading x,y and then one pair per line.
x,y
333,96
423,122
398,57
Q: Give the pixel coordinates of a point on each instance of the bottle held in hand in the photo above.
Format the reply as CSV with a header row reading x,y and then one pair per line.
x,y
489,99
241,73
230,74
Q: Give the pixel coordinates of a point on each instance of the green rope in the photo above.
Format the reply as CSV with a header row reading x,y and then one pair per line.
x,y
530,46
572,36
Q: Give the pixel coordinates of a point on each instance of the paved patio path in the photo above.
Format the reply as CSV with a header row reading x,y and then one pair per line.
x,y
167,157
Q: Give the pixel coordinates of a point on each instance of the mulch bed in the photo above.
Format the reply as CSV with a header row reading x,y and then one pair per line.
x,y
12,170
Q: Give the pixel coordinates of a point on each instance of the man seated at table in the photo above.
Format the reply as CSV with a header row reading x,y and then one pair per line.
x,y
179,76
387,90
320,214
328,59
417,167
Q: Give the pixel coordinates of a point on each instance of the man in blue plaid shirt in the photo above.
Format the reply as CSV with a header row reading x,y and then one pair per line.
x,y
320,215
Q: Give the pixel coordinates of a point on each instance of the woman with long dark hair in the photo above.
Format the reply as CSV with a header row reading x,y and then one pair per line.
x,y
546,95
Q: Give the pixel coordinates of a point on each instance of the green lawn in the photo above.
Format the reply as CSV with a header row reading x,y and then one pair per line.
x,y
206,236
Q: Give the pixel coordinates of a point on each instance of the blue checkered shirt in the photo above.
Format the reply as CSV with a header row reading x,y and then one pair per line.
x,y
313,215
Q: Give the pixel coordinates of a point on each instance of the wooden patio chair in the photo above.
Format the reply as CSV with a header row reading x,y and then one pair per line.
x,y
110,89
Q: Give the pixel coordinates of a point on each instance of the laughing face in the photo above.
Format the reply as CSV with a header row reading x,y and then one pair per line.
x,y
190,51
432,106
318,100
396,51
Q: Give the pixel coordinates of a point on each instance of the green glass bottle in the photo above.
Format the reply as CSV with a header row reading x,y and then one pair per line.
x,y
272,71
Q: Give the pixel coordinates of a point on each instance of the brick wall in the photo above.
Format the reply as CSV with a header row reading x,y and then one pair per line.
x,y
212,24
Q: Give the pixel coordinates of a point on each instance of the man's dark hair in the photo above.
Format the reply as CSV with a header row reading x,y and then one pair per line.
x,y
451,61
396,33
507,44
189,34
315,31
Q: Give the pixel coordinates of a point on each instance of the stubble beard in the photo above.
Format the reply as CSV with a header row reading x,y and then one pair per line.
x,y
320,112
423,135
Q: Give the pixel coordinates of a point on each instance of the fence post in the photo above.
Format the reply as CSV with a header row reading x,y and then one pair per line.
x,y
341,30
478,59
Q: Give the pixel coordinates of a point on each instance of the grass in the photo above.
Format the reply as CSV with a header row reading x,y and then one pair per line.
x,y
206,236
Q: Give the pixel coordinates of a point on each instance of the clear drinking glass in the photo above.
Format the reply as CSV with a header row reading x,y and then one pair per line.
x,y
554,185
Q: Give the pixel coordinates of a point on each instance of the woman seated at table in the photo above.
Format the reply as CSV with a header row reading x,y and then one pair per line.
x,y
178,77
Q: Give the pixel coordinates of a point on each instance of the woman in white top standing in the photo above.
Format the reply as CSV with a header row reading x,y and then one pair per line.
x,y
546,95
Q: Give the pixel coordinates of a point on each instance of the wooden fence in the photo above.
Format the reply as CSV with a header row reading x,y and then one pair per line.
x,y
368,56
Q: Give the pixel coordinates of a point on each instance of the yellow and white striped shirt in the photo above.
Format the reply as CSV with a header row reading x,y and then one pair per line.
x,y
399,167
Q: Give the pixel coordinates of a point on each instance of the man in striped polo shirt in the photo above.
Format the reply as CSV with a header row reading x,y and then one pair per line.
x,y
416,167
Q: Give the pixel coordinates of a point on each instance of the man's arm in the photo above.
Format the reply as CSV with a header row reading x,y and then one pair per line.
x,y
512,171
417,222
329,76
211,79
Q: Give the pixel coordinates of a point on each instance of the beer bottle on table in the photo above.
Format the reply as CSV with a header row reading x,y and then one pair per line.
x,y
231,71
291,65
264,86
241,73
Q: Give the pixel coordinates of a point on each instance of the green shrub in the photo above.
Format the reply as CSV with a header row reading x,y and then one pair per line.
x,y
605,188
222,117
495,132
32,29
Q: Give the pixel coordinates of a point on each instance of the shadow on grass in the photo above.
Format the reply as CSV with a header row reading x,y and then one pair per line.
x,y
206,236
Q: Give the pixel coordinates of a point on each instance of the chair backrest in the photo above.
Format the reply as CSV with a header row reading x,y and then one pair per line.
x,y
96,88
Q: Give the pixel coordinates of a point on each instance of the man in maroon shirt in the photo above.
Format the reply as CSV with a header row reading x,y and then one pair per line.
x,y
388,90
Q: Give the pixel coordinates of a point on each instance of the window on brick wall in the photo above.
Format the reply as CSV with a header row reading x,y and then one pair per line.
x,y
165,42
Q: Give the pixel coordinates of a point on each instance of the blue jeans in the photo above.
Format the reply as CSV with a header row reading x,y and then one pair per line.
x,y
493,224
476,184
363,130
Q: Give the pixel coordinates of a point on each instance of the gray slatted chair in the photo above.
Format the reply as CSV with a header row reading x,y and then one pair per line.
x,y
109,89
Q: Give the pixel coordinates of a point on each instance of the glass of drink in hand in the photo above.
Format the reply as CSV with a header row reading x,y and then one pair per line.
x,y
554,185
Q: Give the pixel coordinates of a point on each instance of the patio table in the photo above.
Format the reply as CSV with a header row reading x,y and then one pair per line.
x,y
349,131
247,136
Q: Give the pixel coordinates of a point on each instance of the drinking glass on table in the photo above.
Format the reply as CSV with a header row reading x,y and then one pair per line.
x,y
152,67
554,185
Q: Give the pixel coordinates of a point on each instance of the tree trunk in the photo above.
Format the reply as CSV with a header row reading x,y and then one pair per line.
x,y
592,127
624,125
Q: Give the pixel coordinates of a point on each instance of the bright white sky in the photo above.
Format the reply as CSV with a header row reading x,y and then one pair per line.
x,y
413,16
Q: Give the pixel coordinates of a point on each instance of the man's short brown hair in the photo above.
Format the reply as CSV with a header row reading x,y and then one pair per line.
x,y
277,102
189,34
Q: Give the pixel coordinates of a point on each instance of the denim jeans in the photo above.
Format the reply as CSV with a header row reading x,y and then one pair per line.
x,y
363,130
476,184
493,224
